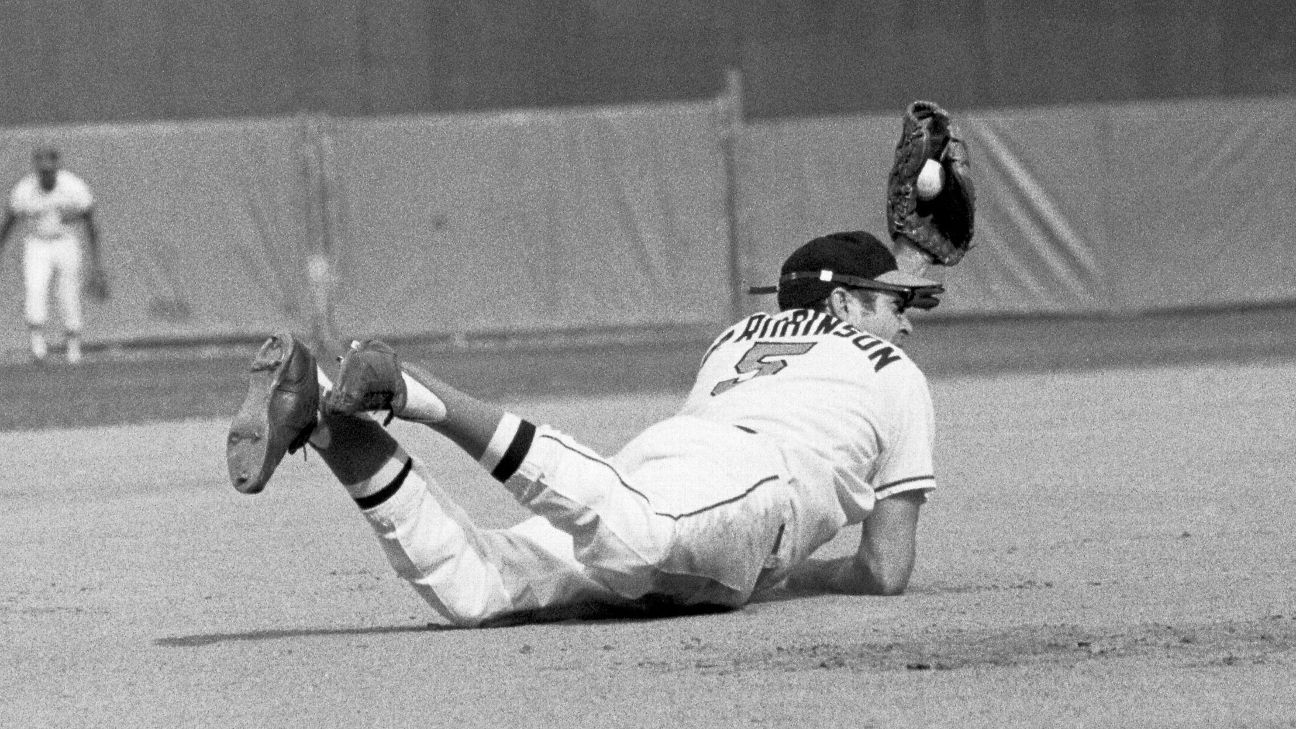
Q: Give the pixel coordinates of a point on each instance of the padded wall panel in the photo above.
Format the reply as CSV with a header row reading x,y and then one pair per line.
x,y
1203,203
534,221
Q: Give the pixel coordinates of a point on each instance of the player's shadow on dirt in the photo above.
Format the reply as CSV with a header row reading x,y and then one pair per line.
x,y
575,613
205,639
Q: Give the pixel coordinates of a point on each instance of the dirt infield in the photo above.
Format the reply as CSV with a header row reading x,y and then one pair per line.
x,y
1110,546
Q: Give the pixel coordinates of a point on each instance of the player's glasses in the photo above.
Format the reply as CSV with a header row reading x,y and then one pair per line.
x,y
918,297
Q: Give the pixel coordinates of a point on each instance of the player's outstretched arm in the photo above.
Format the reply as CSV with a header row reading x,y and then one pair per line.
x,y
6,227
96,281
92,239
888,544
885,558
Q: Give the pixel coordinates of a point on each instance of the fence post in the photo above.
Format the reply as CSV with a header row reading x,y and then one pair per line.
x,y
731,105
320,225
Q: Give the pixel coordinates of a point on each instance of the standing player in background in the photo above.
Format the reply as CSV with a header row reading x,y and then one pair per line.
x,y
799,423
55,208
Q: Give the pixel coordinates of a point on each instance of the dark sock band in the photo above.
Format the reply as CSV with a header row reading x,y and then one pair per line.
x,y
377,498
517,450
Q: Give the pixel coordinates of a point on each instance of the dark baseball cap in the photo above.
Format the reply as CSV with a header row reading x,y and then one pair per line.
x,y
45,157
853,259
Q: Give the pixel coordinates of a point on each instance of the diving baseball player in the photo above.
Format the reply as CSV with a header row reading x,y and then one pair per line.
x,y
56,209
799,423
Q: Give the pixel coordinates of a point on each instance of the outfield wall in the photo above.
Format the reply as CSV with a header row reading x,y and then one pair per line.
x,y
589,218
647,217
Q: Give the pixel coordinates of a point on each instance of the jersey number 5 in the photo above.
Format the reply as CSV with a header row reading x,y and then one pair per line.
x,y
764,358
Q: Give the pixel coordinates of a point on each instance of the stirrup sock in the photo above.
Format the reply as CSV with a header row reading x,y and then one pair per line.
x,y
421,404
507,448
386,492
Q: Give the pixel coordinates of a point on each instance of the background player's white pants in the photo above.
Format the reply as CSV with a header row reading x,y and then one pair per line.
x,y
669,519
58,261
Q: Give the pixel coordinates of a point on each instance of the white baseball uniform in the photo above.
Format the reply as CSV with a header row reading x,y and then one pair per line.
x,y
52,244
796,425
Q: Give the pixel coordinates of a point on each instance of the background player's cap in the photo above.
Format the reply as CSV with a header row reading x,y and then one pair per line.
x,y
854,258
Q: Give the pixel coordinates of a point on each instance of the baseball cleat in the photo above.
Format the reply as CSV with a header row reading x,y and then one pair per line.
x,y
278,414
370,379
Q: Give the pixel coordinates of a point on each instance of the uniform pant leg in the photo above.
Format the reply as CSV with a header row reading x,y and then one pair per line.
x,y
38,271
472,576
614,532
68,286
630,537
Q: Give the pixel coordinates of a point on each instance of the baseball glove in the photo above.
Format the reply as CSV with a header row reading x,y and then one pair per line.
x,y
96,284
941,226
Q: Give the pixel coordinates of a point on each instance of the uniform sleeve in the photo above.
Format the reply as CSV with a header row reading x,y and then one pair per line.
x,y
18,197
906,458
77,192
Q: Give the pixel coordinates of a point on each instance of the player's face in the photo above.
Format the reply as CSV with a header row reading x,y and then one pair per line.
x,y
885,318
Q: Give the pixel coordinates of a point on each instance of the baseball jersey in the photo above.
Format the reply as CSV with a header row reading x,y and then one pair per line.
x,y
50,215
853,412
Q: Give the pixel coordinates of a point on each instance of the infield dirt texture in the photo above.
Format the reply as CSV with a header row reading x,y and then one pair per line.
x,y
1113,543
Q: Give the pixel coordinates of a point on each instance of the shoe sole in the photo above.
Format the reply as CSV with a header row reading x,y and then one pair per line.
x,y
246,448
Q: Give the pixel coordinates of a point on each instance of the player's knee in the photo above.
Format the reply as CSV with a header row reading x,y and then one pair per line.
x,y
463,602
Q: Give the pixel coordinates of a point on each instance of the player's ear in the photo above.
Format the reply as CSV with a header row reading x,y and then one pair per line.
x,y
839,302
